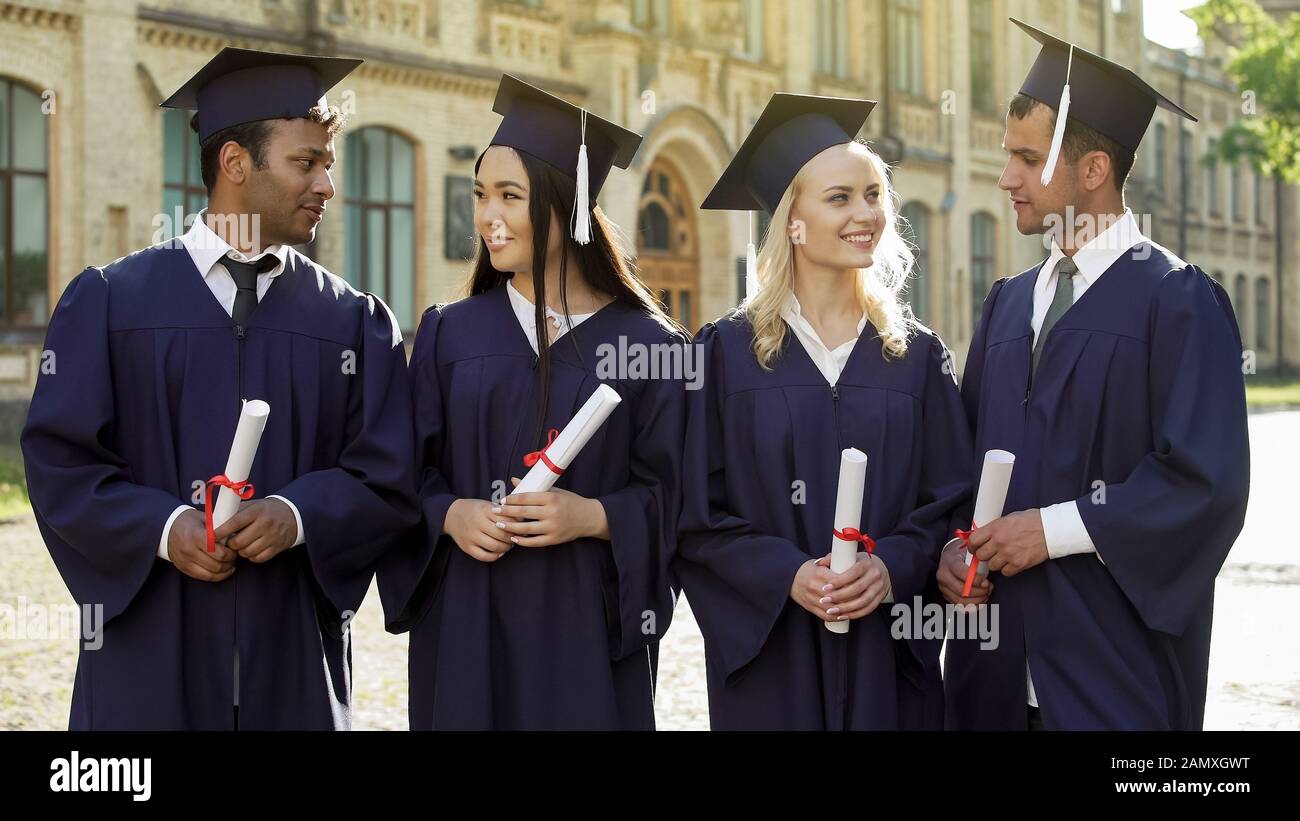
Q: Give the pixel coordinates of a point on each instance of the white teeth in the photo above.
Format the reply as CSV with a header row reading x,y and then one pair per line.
x,y
859,238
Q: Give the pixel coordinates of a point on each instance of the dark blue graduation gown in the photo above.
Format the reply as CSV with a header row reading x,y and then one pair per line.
x,y
751,435
143,401
1140,388
550,637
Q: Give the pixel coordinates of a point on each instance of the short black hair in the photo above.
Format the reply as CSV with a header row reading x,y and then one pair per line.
x,y
253,137
1080,139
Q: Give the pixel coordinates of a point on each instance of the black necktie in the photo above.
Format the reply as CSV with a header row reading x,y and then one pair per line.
x,y
245,276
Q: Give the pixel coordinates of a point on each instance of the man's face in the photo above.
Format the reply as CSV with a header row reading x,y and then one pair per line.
x,y
1027,142
290,191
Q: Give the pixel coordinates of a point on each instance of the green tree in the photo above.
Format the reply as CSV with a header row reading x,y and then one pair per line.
x,y
1264,62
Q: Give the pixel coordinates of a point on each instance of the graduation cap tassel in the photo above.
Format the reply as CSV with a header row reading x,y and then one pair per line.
x,y
751,261
1062,112
581,205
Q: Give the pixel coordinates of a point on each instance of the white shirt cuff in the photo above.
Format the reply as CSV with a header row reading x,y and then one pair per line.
x,y
1064,532
167,529
302,537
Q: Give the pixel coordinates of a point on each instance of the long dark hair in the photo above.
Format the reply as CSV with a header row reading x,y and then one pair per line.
x,y
602,263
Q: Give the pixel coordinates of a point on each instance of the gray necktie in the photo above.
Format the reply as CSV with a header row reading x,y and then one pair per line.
x,y
1061,302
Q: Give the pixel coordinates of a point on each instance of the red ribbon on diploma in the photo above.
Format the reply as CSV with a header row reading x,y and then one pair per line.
x,y
244,490
852,534
531,459
964,535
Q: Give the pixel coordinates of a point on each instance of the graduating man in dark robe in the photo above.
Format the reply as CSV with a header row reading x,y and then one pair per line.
x,y
1113,372
152,357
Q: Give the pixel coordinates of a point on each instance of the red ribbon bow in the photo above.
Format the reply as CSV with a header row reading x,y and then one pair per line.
x,y
852,534
531,459
964,535
244,490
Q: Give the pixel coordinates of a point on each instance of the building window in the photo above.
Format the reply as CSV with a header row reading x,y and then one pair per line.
x,y
460,235
752,18
183,191
24,208
667,255
983,260
1212,177
1237,216
1241,302
981,56
1261,314
907,46
1185,167
1259,198
832,37
917,217
651,15
1161,158
379,234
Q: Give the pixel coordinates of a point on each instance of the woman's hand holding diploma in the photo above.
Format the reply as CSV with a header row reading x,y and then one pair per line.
x,y
551,517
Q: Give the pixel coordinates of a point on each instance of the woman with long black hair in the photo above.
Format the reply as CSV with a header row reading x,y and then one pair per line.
x,y
541,610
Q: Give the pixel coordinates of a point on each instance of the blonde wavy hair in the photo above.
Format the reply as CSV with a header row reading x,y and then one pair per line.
x,y
879,287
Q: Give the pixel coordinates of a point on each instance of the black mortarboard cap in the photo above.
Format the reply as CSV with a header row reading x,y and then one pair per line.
x,y
1104,95
241,85
792,129
551,129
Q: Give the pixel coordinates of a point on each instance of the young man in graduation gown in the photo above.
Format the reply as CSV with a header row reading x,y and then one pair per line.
x,y
153,356
1113,372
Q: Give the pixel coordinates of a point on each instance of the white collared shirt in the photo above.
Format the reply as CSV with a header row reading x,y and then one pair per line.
x,y
206,249
526,314
829,362
1063,527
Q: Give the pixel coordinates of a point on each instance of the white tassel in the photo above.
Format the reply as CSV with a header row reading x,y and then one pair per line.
x,y
581,203
751,262
1058,137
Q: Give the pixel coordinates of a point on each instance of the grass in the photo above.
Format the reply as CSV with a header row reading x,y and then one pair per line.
x,y
13,488
1272,391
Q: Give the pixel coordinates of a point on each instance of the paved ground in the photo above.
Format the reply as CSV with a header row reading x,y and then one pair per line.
x,y
1254,664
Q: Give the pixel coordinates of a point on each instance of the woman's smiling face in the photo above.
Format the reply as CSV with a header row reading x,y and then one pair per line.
x,y
839,214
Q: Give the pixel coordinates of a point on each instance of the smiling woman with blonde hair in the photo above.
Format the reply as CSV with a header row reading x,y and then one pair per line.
x,y
877,287
823,357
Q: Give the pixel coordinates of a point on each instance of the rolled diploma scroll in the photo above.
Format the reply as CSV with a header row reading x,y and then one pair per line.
x,y
848,513
248,434
995,478
571,440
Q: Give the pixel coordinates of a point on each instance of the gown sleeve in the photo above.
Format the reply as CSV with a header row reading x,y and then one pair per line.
x,y
974,371
101,527
1165,531
736,577
911,551
971,378
643,516
353,512
405,583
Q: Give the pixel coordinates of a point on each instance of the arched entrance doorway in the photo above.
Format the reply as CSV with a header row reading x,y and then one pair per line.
x,y
667,247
